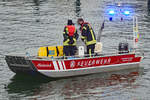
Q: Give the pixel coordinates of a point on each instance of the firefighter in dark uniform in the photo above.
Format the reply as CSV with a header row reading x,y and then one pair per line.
x,y
87,36
70,37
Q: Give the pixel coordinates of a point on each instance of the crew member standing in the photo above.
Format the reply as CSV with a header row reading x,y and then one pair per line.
x,y
87,36
70,37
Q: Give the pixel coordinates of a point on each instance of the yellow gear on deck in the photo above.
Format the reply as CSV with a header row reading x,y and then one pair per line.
x,y
50,51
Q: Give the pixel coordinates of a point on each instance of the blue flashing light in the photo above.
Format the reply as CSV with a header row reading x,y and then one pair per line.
x,y
119,12
126,12
111,12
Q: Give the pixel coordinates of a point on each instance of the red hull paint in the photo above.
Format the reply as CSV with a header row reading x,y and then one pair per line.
x,y
101,61
43,65
85,63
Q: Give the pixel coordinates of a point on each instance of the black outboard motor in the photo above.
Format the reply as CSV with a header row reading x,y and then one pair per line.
x,y
123,48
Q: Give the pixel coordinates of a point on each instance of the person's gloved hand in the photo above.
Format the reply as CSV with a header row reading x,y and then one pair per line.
x,y
71,40
82,40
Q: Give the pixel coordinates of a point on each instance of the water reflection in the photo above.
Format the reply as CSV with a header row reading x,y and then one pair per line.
x,y
25,85
37,2
37,9
148,5
74,88
78,8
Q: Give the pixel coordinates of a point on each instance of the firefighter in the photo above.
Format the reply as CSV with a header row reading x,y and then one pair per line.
x,y
70,37
87,36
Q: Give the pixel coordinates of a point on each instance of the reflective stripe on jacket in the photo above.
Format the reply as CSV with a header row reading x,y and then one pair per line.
x,y
70,34
88,34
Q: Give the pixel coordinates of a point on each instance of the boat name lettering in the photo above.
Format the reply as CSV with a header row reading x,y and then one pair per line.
x,y
93,62
127,59
72,64
44,65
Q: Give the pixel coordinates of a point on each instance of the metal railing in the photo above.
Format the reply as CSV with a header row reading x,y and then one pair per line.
x,y
137,53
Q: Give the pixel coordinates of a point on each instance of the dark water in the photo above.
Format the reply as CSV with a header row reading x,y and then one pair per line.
x,y
26,25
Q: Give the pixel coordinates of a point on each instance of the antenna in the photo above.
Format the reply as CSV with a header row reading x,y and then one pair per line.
x,y
135,31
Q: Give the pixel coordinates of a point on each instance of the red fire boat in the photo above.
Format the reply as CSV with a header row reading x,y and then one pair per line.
x,y
81,64
74,66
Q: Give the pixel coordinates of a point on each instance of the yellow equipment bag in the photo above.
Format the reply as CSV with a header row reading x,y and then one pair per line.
x,y
42,52
60,49
50,51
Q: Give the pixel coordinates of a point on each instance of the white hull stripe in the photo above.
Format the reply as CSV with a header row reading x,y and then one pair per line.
x,y
60,65
63,64
55,65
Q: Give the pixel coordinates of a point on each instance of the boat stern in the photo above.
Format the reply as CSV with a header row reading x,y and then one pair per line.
x,y
19,64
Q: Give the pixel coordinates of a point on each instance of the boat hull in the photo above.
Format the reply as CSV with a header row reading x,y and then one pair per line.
x,y
85,71
56,68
